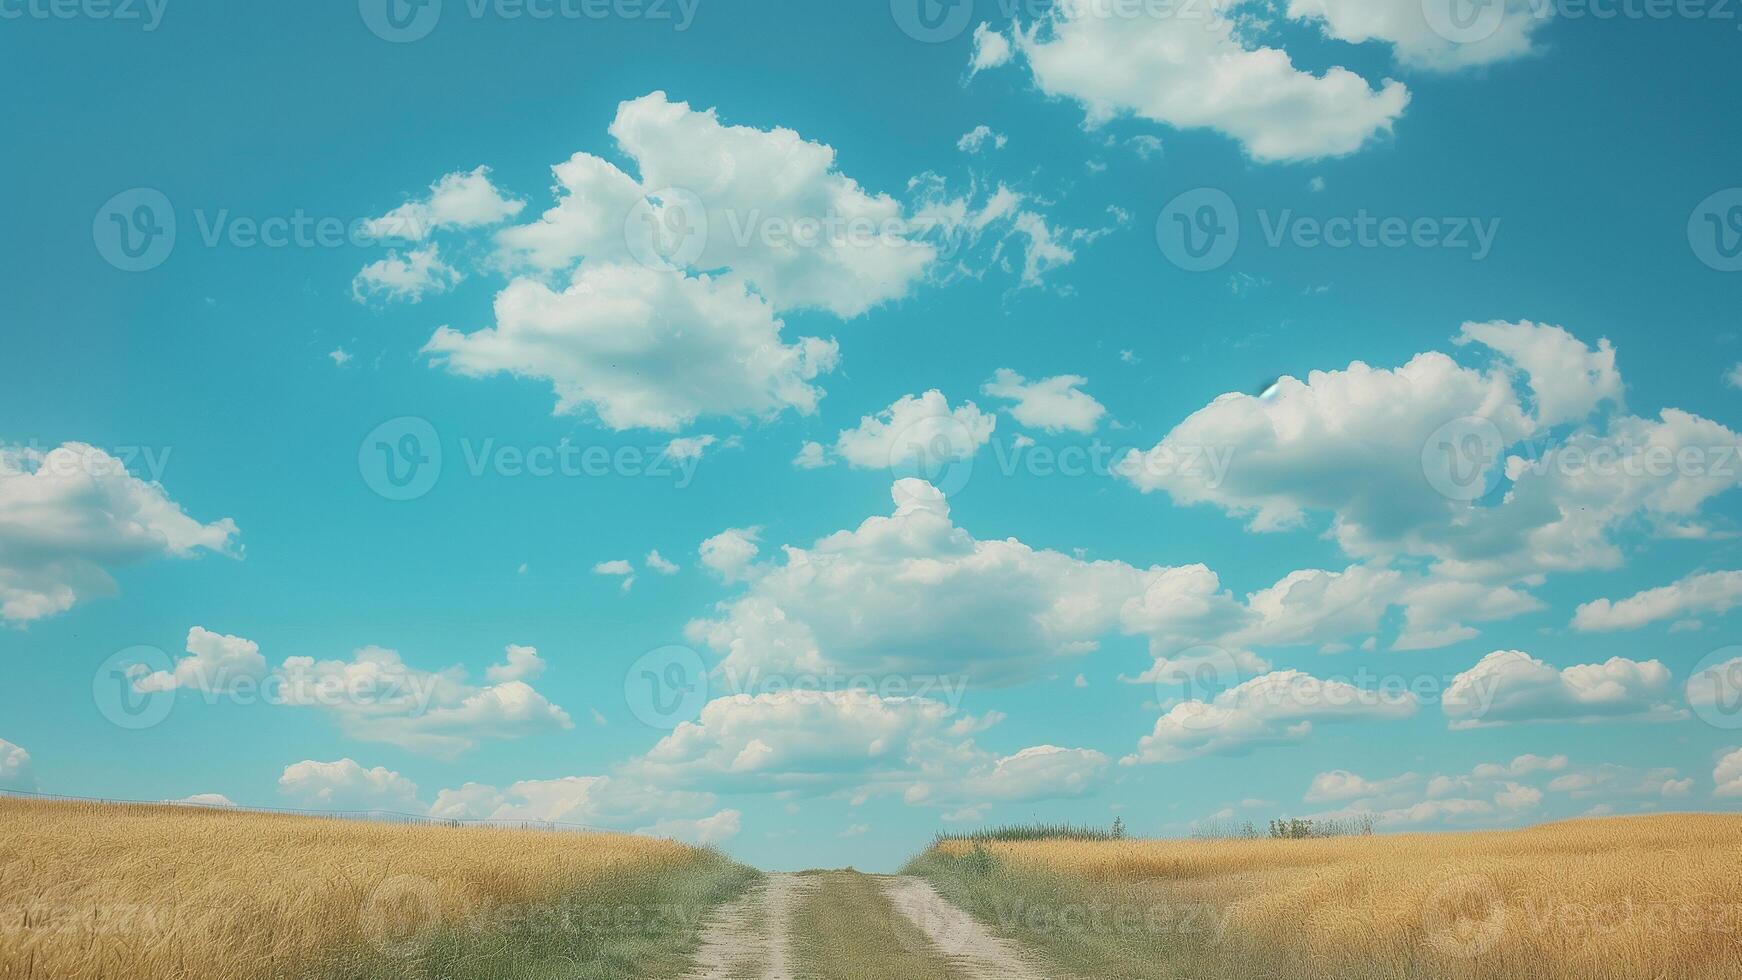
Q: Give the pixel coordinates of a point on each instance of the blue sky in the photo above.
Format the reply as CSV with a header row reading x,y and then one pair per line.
x,y
1273,637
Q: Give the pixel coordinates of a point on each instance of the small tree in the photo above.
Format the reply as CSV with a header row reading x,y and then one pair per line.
x,y
1118,828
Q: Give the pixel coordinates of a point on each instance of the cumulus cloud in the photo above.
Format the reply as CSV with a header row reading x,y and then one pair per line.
x,y
1728,775
1617,782
1500,33
1716,691
640,348
375,696
730,553
1396,457
70,516
215,662
612,802
1708,592
916,430
345,785
407,277
658,563
1276,708
519,663
1341,784
746,181
857,742
1195,73
458,200
912,593
15,773
1055,404
1510,686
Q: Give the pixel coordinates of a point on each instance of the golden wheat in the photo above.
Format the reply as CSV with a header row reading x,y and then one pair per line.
x,y
1637,897
149,892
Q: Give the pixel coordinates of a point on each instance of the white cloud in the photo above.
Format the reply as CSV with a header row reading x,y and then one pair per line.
x,y
519,664
991,49
1728,775
604,802
658,563
72,514
689,447
916,429
205,799
1384,453
1717,689
1277,708
345,785
340,356
1145,145
408,277
1509,686
619,568
975,140
215,663
1052,405
730,553
1617,782
15,773
1734,376
747,182
1037,772
456,200
811,456
644,349
912,593
1197,72
1709,592
377,697
855,742
701,831
1341,784
1408,26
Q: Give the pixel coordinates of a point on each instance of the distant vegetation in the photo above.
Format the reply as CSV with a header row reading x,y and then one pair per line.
x,y
162,893
1623,898
1039,831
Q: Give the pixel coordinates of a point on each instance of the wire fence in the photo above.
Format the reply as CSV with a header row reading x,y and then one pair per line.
x,y
379,816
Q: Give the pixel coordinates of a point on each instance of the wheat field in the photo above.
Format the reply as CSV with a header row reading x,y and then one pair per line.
x,y
1635,898
147,892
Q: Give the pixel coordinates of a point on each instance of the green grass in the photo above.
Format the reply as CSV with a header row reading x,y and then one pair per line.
x,y
637,926
846,929
1093,931
1035,831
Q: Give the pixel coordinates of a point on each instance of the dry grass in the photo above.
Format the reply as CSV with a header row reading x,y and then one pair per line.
x,y
1646,897
152,892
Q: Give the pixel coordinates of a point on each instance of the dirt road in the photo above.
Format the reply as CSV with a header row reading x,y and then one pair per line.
x,y
840,925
